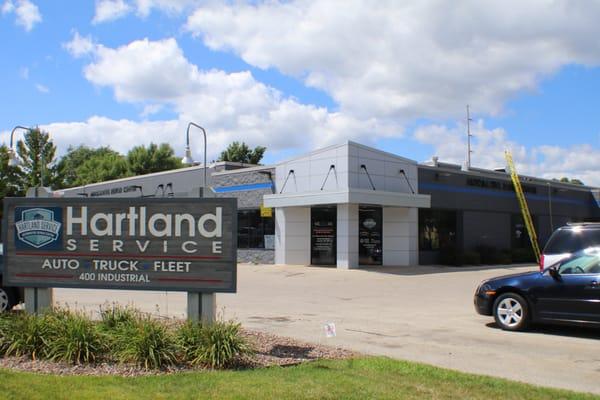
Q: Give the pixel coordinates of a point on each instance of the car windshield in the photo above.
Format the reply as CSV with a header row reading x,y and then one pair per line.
x,y
571,240
586,262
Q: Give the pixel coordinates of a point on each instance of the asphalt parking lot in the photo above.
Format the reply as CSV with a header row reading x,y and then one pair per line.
x,y
416,313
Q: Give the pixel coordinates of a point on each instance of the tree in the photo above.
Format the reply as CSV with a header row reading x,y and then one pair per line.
x,y
145,160
240,152
574,181
37,153
101,167
11,178
68,167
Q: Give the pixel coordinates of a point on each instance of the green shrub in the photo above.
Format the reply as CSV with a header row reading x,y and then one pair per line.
x,y
116,315
74,339
146,342
27,335
6,321
217,345
190,337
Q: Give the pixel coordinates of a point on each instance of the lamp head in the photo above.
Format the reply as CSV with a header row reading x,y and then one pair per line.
x,y
187,158
13,160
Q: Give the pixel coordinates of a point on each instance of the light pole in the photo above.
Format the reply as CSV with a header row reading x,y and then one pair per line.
x,y
13,160
550,206
187,159
36,299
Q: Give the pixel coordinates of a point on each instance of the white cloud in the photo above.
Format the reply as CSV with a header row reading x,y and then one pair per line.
x,y
173,7
8,7
41,88
79,45
408,60
27,13
231,106
580,161
24,73
110,10
151,109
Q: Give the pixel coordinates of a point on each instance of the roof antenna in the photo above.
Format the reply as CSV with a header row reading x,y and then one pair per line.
x,y
469,151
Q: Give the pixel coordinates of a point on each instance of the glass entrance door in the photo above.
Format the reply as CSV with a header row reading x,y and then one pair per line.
x,y
370,244
323,249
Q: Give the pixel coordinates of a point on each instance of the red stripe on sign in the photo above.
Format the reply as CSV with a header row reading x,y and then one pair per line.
x,y
191,280
117,255
44,276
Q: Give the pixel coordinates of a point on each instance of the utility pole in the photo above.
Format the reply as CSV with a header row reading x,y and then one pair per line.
x,y
469,151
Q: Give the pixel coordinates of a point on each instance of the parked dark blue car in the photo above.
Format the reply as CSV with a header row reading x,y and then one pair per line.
x,y
567,292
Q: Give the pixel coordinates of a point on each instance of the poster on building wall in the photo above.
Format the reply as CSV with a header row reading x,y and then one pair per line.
x,y
186,244
266,212
269,242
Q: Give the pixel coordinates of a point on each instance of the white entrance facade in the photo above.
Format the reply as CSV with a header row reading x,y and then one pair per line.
x,y
319,200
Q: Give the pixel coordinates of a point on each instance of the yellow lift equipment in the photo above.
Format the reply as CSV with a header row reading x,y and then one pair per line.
x,y
523,205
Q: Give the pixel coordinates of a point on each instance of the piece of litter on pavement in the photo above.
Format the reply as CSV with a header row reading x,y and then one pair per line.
x,y
329,329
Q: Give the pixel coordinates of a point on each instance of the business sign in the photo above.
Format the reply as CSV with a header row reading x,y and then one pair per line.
x,y
266,212
186,244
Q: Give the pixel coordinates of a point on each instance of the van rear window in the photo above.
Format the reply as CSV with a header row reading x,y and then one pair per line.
x,y
568,241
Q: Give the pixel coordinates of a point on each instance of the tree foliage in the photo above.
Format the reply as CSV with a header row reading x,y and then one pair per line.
x,y
37,154
101,167
240,152
70,165
145,160
574,181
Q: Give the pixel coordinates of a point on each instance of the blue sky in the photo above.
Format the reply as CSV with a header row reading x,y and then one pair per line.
x,y
297,76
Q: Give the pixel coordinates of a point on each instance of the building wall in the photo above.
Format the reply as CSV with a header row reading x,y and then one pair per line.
x,y
486,205
482,228
248,186
347,236
292,235
400,240
311,171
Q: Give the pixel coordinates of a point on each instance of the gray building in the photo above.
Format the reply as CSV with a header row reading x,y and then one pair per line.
x,y
351,205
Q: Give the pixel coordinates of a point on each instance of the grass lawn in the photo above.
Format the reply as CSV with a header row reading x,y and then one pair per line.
x,y
365,378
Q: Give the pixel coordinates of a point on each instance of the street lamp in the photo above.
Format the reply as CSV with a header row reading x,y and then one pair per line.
x,y
187,159
13,160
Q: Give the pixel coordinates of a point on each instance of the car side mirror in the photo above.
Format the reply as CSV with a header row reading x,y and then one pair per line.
x,y
553,271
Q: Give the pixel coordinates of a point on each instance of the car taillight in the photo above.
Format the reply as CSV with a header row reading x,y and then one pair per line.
x,y
541,262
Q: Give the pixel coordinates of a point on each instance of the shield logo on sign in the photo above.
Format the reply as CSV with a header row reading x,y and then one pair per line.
x,y
38,227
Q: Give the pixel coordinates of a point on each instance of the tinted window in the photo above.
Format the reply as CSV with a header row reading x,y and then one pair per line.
x,y
570,240
252,229
586,264
437,229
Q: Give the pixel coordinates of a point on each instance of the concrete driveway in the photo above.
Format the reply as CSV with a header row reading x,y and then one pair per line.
x,y
416,313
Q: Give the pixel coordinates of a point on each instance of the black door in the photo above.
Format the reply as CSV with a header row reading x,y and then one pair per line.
x,y
370,244
323,249
575,295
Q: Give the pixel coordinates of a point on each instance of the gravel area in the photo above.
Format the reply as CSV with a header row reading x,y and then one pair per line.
x,y
271,350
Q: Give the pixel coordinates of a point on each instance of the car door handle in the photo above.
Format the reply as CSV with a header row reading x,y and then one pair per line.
x,y
595,285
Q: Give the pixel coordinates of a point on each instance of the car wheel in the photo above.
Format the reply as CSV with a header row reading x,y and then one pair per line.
x,y
7,299
511,312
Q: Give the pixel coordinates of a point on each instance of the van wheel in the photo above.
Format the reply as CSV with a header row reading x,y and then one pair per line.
x,y
7,299
511,312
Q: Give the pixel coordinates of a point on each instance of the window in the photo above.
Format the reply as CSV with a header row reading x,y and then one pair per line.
x,y
252,229
519,234
437,229
570,240
586,264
